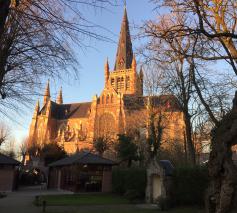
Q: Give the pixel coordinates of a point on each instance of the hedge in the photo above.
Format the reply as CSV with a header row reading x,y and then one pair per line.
x,y
130,181
189,185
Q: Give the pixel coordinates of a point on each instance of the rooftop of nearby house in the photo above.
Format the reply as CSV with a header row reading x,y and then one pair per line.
x,y
83,158
5,160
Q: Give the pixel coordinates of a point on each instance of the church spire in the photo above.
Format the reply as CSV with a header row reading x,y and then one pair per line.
x,y
47,93
60,97
106,71
124,52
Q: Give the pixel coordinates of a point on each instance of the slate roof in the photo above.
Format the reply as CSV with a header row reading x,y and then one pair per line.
x,y
167,166
82,158
65,111
5,160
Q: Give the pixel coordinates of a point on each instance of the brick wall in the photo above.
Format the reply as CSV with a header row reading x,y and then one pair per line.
x,y
6,178
107,181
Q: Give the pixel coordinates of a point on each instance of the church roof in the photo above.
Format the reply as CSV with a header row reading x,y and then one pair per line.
x,y
75,110
5,160
124,54
83,158
170,102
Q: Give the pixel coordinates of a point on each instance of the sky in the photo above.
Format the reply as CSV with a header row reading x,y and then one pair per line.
x,y
91,71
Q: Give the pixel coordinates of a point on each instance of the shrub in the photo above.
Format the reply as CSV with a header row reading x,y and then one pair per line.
x,y
190,184
132,195
164,203
130,182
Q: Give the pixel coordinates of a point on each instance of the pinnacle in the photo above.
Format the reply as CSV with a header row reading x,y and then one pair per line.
x,y
60,96
47,90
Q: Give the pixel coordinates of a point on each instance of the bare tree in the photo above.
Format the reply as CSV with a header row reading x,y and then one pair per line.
x,y
212,27
9,148
214,22
102,144
4,133
36,41
23,149
175,71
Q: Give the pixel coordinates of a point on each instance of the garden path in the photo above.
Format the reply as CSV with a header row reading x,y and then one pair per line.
x,y
21,201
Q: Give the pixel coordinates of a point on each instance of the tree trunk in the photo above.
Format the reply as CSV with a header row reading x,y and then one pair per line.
x,y
222,191
189,142
4,10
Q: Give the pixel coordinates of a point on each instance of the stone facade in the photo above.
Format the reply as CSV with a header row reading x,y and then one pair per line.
x,y
159,180
119,108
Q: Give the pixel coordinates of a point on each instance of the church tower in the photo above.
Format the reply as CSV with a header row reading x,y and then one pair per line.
x,y
124,78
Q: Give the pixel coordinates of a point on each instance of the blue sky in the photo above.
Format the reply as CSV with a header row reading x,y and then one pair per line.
x,y
91,72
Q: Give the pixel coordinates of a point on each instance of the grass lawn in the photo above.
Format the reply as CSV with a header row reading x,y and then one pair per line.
x,y
83,199
119,209
102,203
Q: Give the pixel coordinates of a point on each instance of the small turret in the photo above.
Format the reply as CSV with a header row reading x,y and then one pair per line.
x,y
37,108
47,94
134,70
141,73
134,63
60,97
106,71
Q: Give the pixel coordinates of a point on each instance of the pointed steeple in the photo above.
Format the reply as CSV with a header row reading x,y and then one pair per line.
x,y
60,97
124,52
106,71
47,93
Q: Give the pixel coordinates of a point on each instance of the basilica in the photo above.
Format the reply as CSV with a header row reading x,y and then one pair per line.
x,y
119,109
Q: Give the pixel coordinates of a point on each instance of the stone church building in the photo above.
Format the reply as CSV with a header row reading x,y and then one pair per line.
x,y
120,108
